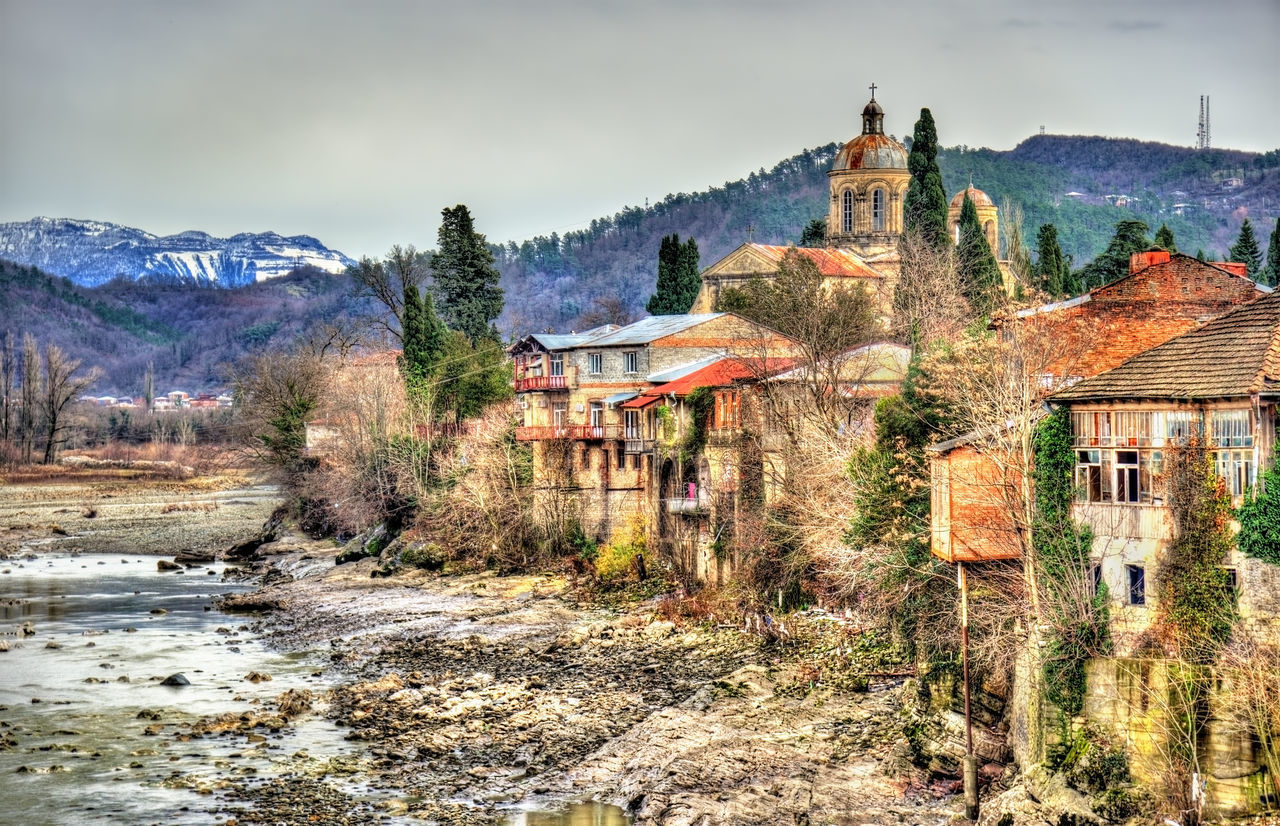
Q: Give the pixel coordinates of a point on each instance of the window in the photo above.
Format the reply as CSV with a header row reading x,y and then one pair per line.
x,y
595,363
559,410
557,364
586,458
877,210
635,461
1235,467
1095,578
621,458
1137,584
631,424
1090,480
846,211
1231,428
1126,476
630,362
597,414
1233,582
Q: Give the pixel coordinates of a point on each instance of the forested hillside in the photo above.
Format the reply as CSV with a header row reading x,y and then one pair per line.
x,y
190,334
1070,181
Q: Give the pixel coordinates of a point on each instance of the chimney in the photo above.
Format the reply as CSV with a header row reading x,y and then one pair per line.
x,y
1234,268
1142,260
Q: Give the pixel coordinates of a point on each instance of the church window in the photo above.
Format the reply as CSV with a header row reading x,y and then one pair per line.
x,y
846,220
877,210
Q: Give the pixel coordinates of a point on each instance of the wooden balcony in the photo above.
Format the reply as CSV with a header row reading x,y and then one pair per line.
x,y
576,432
1123,520
632,445
528,383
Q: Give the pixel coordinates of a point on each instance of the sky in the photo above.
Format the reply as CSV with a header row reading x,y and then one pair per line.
x,y
357,121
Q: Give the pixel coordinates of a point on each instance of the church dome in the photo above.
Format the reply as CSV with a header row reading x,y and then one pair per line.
x,y
871,151
979,198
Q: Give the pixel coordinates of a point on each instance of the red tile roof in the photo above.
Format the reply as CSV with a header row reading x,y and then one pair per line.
x,y
717,374
830,261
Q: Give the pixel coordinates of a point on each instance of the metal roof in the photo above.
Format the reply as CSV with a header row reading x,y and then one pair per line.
x,y
654,327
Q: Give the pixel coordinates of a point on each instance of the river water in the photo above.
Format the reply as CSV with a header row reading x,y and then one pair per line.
x,y
89,735
108,629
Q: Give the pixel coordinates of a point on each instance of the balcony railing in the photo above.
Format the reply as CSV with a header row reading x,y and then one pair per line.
x,y
688,506
577,432
634,445
527,383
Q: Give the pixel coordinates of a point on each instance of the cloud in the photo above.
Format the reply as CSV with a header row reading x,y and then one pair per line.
x,y
1021,23
1129,26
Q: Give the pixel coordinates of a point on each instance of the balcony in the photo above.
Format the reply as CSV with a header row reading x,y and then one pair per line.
x,y
633,445
688,506
528,383
577,432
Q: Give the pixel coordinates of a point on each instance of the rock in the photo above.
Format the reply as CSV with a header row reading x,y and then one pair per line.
x,y
159,611
257,677
175,680
4,645
191,557
26,630
53,644
166,565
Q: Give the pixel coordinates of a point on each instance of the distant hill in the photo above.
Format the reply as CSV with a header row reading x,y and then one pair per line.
x,y
191,334
1071,181
94,252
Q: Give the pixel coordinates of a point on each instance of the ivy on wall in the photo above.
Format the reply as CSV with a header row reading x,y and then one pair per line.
x,y
1259,518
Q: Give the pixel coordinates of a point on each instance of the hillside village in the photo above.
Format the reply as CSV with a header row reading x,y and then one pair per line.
x,y
1088,470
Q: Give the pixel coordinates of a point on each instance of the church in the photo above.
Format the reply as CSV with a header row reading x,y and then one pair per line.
x,y
868,186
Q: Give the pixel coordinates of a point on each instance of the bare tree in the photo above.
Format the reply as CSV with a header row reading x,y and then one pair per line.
x,y
31,393
278,393
62,384
928,302
8,382
385,281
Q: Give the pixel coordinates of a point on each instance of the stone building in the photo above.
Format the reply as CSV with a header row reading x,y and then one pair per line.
x,y
867,184
588,447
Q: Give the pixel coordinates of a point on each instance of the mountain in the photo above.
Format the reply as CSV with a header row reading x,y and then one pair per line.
x,y
90,253
1083,185
191,334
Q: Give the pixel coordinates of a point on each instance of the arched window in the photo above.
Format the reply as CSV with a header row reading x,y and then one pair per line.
x,y
846,207
877,210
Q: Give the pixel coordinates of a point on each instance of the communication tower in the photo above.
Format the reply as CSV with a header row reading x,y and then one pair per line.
x,y
1203,140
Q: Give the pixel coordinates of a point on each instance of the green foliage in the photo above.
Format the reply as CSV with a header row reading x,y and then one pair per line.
x,y
1196,605
466,280
679,278
426,557
699,402
1270,274
424,337
976,265
1113,263
1259,518
1164,238
615,561
1079,619
1052,273
1245,250
815,234
925,207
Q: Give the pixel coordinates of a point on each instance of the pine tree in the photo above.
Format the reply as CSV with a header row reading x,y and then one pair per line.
x,y
1113,263
1164,238
814,234
925,207
1051,266
678,277
976,266
466,281
1245,250
1270,274
423,337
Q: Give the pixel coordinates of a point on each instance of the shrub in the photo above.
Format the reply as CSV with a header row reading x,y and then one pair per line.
x,y
615,560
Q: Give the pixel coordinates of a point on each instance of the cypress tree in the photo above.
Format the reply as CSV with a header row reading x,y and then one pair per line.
x,y
1051,266
422,336
1245,250
925,207
1164,238
814,234
678,277
466,281
979,273
1270,274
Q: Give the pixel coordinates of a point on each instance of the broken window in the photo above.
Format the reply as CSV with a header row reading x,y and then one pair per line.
x,y
1137,584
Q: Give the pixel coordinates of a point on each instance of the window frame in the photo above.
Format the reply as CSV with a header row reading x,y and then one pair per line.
x,y
846,211
879,215
595,364
631,361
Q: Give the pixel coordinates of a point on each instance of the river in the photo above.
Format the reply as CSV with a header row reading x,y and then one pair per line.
x,y
107,630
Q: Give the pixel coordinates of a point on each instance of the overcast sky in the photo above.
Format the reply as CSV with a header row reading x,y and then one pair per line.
x,y
356,121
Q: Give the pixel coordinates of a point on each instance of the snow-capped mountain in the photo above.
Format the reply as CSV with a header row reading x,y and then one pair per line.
x,y
93,252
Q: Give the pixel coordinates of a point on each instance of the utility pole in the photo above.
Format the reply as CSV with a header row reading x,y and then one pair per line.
x,y
970,760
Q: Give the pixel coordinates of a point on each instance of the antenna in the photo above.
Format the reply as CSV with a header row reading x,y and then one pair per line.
x,y
1042,129
1203,139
